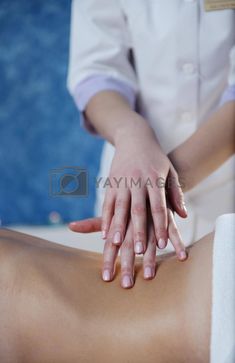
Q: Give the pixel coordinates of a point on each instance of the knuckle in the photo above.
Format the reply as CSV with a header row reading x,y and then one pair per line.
x,y
138,209
107,208
105,224
136,172
174,230
153,173
160,231
150,255
140,235
152,241
127,245
118,226
126,265
158,209
121,204
107,265
125,270
150,261
109,247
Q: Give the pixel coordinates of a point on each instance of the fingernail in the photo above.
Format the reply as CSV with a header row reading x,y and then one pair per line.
x,y
161,243
126,281
104,234
139,247
182,255
148,272
106,275
184,209
117,238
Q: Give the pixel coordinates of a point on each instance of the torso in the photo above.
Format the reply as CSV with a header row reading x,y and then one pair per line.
x,y
64,312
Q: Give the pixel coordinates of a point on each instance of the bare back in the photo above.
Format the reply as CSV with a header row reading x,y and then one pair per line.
x,y
55,307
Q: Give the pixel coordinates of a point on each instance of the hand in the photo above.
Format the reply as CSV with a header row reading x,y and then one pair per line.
x,y
138,173
127,249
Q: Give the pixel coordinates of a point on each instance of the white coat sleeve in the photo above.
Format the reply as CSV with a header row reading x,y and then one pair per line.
x,y
229,93
99,50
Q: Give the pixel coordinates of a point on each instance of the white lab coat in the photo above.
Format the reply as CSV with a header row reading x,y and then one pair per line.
x,y
181,55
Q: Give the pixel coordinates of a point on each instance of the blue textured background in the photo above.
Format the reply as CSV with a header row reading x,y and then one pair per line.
x,y
39,124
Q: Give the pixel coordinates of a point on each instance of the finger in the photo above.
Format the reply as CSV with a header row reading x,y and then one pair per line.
x,y
86,225
127,260
109,257
158,208
139,219
107,212
122,206
175,193
149,259
175,237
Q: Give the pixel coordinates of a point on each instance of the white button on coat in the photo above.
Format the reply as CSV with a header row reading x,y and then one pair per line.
x,y
188,68
181,58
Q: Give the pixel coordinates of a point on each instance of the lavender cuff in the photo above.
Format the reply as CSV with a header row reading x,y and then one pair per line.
x,y
91,86
228,95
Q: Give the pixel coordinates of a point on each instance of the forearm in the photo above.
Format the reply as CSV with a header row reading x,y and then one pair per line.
x,y
111,115
207,149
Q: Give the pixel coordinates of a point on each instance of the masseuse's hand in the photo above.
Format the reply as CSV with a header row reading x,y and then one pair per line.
x,y
139,173
127,249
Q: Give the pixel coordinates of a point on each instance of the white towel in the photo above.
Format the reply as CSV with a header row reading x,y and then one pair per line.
x,y
223,291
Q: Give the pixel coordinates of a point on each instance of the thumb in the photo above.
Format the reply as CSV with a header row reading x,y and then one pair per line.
x,y
175,194
86,225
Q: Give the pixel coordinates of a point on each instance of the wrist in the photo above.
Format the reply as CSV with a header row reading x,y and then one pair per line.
x,y
183,168
134,130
